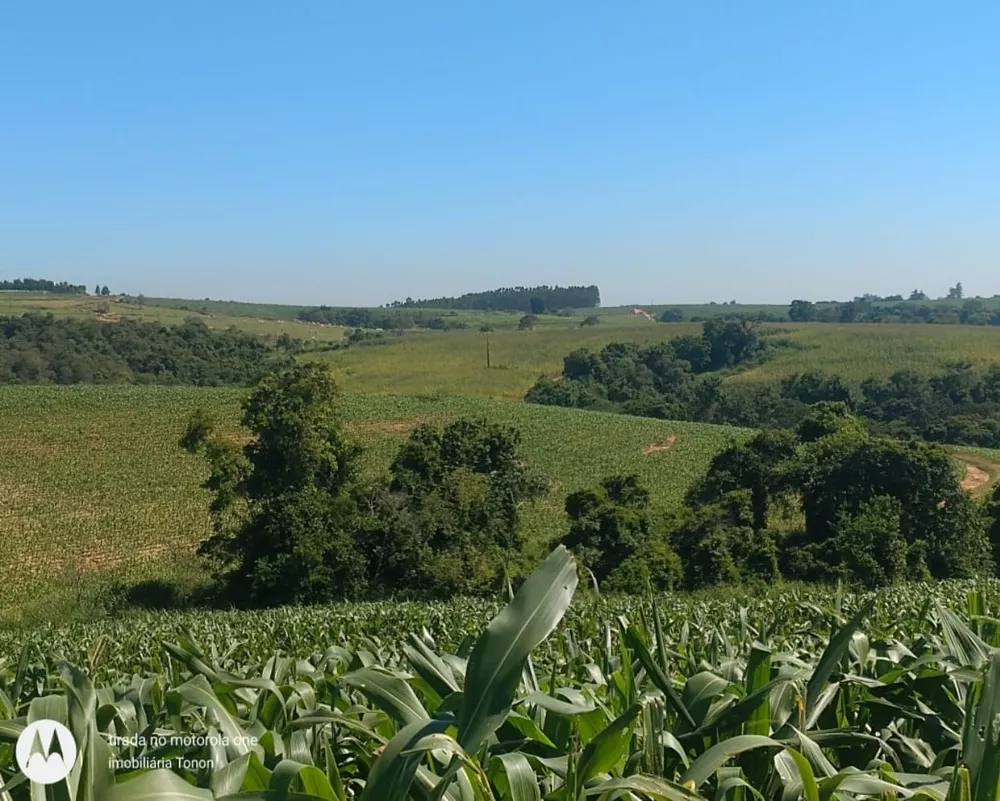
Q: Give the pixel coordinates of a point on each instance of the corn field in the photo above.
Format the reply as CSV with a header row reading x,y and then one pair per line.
x,y
801,694
94,487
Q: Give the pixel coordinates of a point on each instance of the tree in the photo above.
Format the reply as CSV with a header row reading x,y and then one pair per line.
x,y
994,533
837,474
537,305
814,387
827,418
956,292
753,467
590,319
733,341
672,316
283,512
802,311
527,323
870,544
97,289
105,291
610,524
453,498
918,294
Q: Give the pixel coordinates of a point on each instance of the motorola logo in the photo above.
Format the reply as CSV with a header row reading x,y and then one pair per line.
x,y
45,752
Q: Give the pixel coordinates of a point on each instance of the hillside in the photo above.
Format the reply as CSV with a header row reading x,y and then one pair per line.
x,y
455,362
92,479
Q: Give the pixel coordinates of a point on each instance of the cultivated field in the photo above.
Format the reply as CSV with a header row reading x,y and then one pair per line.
x,y
779,695
455,362
92,479
111,309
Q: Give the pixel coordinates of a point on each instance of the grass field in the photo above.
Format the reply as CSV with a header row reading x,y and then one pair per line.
x,y
455,362
108,310
92,479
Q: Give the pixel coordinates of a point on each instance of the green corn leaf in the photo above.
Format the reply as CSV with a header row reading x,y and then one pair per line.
x,y
494,669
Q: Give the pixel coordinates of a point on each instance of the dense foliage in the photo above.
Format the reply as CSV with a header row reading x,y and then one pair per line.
x,y
916,309
874,509
294,523
668,380
614,533
382,319
674,380
42,348
447,522
42,285
536,300
777,696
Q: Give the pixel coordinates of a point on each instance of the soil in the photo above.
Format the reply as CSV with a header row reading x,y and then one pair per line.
x,y
645,314
974,477
657,447
392,427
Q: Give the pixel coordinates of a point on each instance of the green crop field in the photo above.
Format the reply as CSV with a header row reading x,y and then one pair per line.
x,y
860,351
455,362
92,480
111,309
780,694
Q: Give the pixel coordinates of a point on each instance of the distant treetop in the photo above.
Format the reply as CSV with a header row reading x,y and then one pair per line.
x,y
42,285
535,300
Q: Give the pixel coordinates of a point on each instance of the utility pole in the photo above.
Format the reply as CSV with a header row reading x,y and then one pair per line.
x,y
487,351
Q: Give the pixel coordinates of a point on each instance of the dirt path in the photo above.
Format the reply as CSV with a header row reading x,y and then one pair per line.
x,y
647,315
974,477
656,447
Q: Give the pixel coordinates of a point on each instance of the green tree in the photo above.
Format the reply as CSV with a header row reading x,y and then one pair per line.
x,y
733,341
105,291
839,473
754,467
609,524
527,323
453,505
826,418
994,522
813,387
802,311
870,544
283,511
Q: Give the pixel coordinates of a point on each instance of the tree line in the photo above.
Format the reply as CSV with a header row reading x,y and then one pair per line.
x,y
827,501
679,379
41,348
293,521
682,379
380,319
872,309
42,285
536,300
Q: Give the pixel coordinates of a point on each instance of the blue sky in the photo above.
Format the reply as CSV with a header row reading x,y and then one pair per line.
x,y
325,151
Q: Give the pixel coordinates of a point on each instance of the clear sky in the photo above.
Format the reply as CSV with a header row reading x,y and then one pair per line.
x,y
359,151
